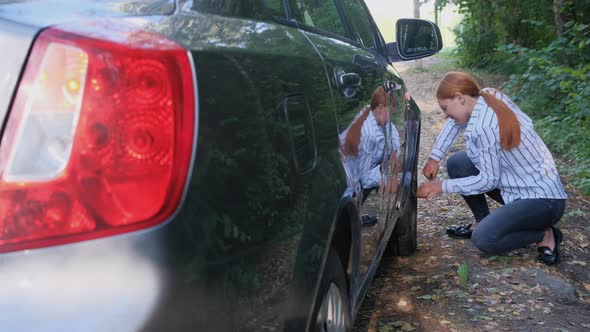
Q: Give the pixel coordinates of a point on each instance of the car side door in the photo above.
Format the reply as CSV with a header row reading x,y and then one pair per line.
x,y
356,73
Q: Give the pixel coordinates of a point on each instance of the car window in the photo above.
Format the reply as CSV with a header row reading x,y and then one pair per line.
x,y
253,9
320,14
358,18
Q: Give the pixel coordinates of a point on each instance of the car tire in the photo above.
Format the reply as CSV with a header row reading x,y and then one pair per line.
x,y
332,307
404,239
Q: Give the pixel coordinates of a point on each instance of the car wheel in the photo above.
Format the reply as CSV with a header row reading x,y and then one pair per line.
x,y
332,309
404,239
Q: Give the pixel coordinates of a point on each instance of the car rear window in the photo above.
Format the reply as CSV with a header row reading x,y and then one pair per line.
x,y
252,9
51,12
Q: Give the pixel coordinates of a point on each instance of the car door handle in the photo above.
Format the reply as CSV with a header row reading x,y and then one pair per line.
x,y
350,80
391,86
349,84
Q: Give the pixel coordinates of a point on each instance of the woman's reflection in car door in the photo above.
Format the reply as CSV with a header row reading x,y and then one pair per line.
x,y
368,149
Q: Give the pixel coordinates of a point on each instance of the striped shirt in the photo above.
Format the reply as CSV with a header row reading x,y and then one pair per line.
x,y
365,169
524,172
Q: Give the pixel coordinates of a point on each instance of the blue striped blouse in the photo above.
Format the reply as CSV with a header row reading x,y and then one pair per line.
x,y
524,172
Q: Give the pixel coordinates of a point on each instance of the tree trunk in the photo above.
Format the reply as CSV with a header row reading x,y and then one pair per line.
x,y
565,11
436,14
419,65
558,7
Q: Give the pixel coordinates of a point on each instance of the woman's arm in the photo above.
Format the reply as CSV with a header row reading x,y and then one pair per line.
x,y
445,139
487,141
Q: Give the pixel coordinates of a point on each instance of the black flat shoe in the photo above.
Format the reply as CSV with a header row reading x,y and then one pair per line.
x,y
548,256
460,232
368,221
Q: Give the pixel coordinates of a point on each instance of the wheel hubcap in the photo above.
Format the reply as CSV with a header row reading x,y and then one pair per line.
x,y
332,315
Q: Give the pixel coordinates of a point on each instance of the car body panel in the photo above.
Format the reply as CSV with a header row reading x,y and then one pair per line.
x,y
271,73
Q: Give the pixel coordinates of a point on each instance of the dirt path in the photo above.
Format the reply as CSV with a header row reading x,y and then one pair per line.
x,y
511,292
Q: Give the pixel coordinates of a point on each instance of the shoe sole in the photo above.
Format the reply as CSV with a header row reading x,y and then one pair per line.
x,y
459,237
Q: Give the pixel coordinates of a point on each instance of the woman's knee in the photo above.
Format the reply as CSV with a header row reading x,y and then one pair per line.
x,y
484,243
459,166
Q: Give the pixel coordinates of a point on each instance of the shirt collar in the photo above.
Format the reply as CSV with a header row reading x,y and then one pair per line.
x,y
480,105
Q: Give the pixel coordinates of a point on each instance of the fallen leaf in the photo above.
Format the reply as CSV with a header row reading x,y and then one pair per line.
x,y
444,322
425,297
580,237
407,327
516,313
492,290
402,303
485,317
398,323
385,328
575,262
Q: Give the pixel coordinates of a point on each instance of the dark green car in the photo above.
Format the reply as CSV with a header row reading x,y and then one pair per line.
x,y
201,165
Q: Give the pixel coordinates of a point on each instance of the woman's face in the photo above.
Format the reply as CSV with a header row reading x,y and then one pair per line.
x,y
381,115
456,109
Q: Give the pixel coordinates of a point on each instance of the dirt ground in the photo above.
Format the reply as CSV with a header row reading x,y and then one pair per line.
x,y
448,285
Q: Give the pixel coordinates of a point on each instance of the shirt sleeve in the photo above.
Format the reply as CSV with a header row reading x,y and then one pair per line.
x,y
487,142
394,136
445,139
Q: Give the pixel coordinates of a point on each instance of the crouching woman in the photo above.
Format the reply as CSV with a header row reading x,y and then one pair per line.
x,y
505,159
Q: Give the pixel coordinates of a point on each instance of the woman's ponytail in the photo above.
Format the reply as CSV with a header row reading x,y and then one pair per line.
x,y
507,121
353,136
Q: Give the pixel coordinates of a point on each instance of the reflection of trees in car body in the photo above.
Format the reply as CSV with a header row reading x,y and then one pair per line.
x,y
253,193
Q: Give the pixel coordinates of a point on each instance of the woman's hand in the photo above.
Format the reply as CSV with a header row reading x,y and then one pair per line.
x,y
430,170
429,189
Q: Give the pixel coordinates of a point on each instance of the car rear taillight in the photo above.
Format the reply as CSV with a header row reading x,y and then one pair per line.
x,y
99,138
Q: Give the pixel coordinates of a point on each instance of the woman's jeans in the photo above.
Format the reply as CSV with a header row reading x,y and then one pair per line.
x,y
510,226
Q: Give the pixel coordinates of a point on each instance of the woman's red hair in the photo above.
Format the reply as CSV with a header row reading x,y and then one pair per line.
x,y
457,82
353,137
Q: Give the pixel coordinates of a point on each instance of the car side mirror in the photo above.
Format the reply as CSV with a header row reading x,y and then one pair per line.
x,y
415,39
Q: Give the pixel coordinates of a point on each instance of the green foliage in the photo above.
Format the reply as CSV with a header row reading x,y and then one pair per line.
x,y
489,24
551,84
463,273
